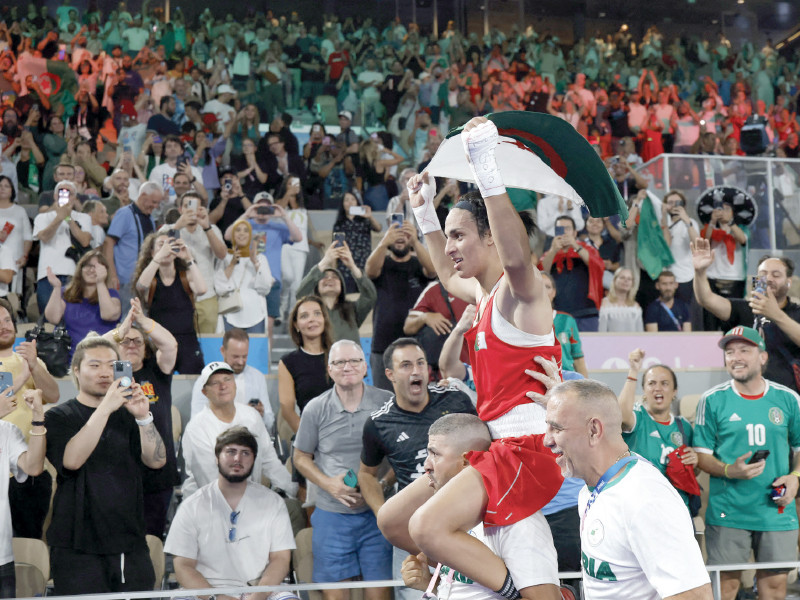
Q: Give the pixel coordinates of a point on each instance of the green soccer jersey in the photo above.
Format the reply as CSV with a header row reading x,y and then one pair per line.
x,y
655,441
727,426
566,330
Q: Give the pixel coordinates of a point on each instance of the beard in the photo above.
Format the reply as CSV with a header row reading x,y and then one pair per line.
x,y
12,130
400,252
235,478
7,343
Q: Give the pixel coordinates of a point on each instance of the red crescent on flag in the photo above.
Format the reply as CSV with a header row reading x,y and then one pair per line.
x,y
556,162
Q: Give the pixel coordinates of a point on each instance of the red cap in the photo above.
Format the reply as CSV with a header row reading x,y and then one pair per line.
x,y
209,118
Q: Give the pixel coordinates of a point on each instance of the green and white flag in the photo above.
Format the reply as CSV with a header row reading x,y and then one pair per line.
x,y
542,153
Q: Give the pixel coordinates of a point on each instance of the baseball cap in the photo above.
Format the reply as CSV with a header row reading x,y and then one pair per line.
x,y
225,89
209,118
263,196
210,369
745,334
346,114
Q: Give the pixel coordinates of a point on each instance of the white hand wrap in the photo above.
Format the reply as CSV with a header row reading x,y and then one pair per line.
x,y
425,215
479,144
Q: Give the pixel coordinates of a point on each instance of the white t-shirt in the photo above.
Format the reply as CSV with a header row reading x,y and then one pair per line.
x,y
202,527
682,268
163,174
51,253
137,37
223,111
515,544
198,243
637,539
12,445
198,443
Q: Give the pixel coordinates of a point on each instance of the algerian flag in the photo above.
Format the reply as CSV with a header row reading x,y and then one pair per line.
x,y
542,153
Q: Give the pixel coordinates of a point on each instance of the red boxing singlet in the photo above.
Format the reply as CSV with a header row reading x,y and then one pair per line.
x,y
498,368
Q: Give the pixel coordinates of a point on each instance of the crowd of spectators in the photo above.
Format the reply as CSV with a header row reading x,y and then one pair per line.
x,y
172,197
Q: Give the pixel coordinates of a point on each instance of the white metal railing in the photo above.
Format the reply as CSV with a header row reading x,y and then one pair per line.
x,y
760,176
240,592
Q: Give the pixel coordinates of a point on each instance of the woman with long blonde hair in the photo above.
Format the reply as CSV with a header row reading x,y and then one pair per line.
x,y
619,310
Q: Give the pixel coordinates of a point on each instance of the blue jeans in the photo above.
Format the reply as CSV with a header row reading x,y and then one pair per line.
x,y
44,291
588,323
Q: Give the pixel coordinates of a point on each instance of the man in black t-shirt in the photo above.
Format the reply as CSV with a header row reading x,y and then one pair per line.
x,y
399,430
771,313
399,278
98,448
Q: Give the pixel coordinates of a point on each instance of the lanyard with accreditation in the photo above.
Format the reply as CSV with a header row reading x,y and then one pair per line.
x,y
604,479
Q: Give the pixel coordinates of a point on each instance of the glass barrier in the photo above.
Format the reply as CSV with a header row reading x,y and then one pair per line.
x,y
773,183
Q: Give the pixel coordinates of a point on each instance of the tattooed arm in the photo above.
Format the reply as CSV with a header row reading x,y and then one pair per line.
x,y
154,453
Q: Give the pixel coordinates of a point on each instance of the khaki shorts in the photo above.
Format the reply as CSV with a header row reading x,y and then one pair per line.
x,y
206,315
726,545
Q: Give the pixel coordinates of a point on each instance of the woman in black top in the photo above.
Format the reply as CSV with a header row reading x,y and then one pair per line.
x,y
168,280
357,229
302,374
152,351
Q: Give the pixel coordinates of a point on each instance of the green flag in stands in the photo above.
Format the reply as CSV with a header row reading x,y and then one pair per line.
x,y
541,153
651,247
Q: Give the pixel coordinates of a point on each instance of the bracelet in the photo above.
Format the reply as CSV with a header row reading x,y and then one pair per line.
x,y
37,423
725,471
207,228
795,473
633,379
146,421
190,263
32,432
152,326
67,219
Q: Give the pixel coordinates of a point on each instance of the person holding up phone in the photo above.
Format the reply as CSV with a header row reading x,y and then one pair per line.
x,y
727,274
58,230
205,242
100,443
355,220
735,420
168,281
327,455
245,272
577,270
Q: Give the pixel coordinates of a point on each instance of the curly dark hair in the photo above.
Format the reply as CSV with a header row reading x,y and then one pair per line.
x,y
478,211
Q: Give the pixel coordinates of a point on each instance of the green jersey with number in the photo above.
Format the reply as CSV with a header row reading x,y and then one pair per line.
x,y
727,426
655,441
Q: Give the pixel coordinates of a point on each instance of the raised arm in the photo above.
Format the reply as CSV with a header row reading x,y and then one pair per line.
x,y
627,397
421,194
702,258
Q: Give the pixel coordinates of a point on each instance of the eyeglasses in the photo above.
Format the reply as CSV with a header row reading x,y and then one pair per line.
x,y
232,530
353,362
135,342
232,452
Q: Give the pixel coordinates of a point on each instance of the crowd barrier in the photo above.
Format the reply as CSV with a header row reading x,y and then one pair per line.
x,y
240,592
